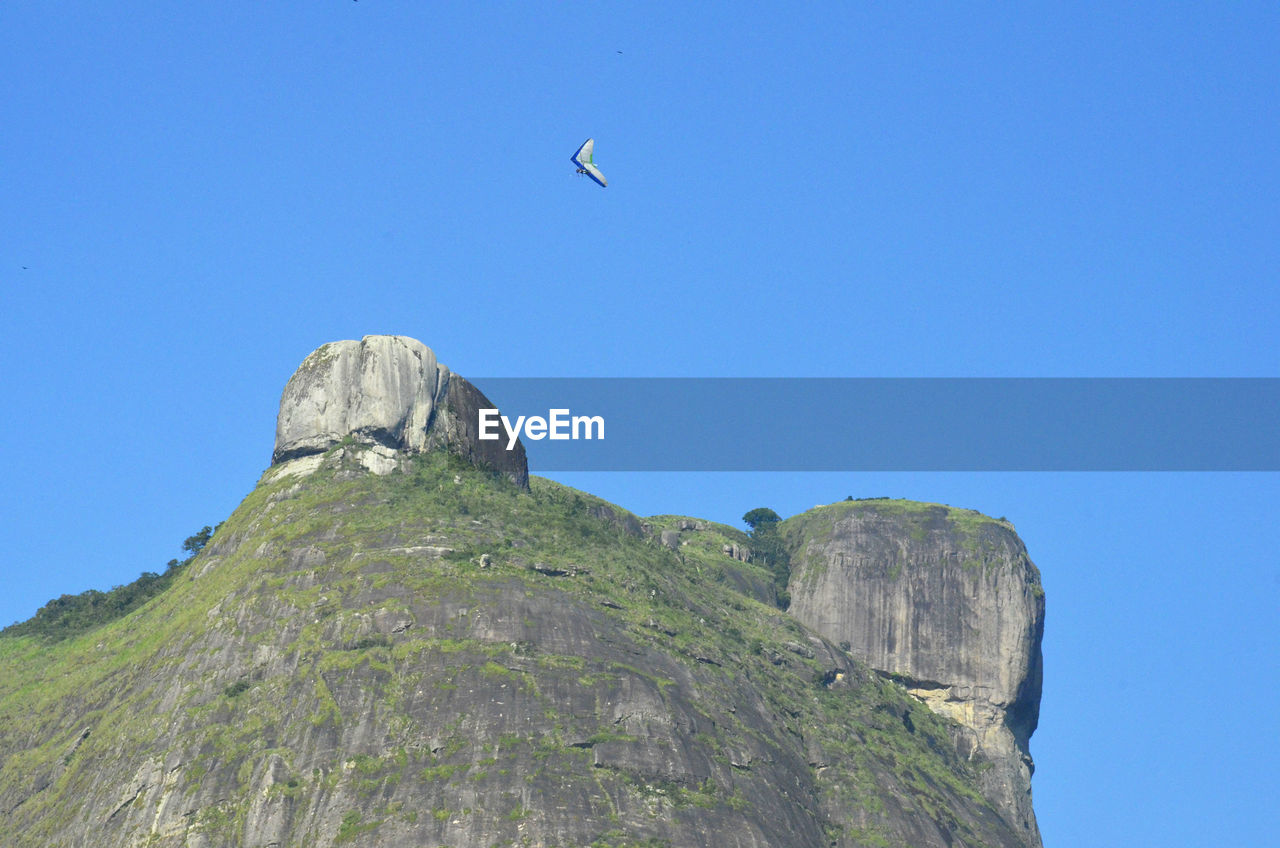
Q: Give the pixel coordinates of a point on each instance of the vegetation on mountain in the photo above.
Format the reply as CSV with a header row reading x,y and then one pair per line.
x,y
71,615
439,656
770,549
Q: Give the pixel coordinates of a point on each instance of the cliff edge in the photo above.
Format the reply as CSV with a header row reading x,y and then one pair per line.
x,y
946,602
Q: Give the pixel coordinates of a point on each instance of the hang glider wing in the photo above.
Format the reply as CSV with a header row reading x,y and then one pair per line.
x,y
585,166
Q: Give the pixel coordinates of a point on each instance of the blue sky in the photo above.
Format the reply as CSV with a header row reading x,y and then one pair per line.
x,y
194,196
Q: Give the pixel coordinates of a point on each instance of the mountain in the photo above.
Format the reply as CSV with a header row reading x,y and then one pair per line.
x,y
401,639
945,602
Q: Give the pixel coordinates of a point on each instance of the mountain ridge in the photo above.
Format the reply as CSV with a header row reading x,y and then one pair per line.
x,y
394,647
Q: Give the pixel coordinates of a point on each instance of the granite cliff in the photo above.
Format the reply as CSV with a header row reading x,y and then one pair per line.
x,y
946,602
398,639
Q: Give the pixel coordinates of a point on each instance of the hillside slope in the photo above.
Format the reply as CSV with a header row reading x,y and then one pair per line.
x,y
437,656
401,639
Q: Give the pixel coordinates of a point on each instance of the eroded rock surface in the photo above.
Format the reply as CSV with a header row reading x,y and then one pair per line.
x,y
388,391
385,647
368,659
946,602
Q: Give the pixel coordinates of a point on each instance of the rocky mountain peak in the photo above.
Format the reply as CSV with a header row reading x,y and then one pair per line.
x,y
388,393
426,654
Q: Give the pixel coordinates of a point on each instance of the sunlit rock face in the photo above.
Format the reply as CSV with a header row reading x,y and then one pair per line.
x,y
946,602
388,391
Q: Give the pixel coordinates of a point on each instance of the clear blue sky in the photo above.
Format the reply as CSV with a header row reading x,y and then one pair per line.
x,y
193,196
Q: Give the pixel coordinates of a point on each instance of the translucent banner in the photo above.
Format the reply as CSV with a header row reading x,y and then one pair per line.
x,y
924,424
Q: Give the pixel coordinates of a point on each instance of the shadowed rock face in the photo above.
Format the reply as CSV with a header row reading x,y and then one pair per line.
x,y
389,391
945,601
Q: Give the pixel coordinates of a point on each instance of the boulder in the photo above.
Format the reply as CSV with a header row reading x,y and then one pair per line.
x,y
392,392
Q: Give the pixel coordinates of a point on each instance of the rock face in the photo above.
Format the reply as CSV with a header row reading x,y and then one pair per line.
x,y
434,656
389,391
388,648
946,602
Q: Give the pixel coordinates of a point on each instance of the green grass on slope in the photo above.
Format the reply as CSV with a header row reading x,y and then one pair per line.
x,y
878,746
819,520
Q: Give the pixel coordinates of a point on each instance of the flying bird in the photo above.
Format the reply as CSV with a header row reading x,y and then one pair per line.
x,y
585,166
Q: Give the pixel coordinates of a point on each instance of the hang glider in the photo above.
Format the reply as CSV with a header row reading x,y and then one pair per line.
x,y
585,166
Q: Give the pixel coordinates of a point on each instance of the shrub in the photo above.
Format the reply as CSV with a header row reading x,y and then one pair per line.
x,y
71,615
